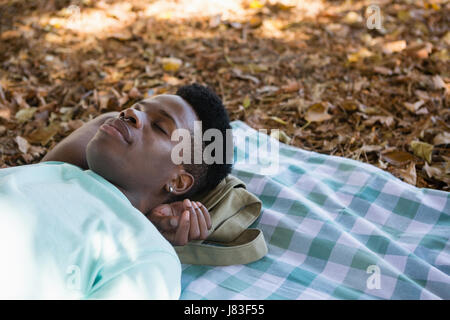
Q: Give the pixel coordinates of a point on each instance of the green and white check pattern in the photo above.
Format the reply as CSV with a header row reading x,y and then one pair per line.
x,y
326,220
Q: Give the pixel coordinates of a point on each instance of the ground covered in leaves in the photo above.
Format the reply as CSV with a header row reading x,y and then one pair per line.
x,y
326,73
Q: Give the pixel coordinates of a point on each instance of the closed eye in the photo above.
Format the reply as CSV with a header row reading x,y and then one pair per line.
x,y
158,127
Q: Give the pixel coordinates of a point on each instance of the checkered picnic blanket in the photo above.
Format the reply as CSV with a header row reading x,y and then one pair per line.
x,y
336,229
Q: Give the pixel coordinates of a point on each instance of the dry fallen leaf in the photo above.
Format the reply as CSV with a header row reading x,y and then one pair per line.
x,y
409,174
370,148
103,98
123,35
267,89
22,143
386,120
422,150
280,135
438,83
291,86
10,34
278,120
255,22
352,18
413,107
446,38
43,135
368,110
171,64
246,102
403,15
432,171
75,124
398,158
350,105
439,172
134,93
382,70
25,114
394,46
238,73
442,138
5,113
359,55
318,112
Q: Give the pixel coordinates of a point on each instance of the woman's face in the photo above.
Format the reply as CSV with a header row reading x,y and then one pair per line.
x,y
140,158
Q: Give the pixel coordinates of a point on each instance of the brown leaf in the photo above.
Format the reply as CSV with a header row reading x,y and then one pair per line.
x,y
398,158
267,89
442,138
20,101
255,22
382,70
75,124
350,105
238,73
318,112
438,83
438,172
10,34
413,107
419,50
5,113
394,46
292,86
103,98
174,81
370,148
386,120
409,174
22,143
134,93
123,35
43,135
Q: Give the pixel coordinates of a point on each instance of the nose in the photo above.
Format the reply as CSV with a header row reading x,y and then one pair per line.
x,y
133,116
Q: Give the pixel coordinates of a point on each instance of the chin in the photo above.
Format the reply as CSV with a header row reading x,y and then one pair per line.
x,y
105,161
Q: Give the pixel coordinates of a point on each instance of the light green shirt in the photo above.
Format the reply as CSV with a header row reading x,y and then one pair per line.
x,y
68,233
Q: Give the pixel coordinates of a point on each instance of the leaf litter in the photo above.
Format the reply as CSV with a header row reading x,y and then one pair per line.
x,y
312,69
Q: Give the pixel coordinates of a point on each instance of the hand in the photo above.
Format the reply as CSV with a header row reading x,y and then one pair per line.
x,y
182,221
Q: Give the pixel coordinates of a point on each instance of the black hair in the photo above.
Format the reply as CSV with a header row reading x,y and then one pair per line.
x,y
213,115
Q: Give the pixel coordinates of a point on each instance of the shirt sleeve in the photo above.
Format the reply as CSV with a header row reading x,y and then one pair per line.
x,y
155,278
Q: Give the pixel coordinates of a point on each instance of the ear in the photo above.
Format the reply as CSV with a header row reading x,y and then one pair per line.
x,y
181,183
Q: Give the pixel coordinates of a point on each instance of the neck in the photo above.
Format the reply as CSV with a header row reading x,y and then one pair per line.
x,y
142,201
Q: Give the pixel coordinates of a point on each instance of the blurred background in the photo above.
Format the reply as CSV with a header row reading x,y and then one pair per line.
x,y
366,80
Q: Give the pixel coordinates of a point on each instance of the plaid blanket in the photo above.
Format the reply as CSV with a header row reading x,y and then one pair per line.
x,y
336,229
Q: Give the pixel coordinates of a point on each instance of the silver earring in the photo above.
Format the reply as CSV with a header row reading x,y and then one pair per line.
x,y
170,189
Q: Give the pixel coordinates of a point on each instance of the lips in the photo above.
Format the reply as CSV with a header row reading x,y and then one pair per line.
x,y
121,126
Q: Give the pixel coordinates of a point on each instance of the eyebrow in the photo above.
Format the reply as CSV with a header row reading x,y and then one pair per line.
x,y
163,112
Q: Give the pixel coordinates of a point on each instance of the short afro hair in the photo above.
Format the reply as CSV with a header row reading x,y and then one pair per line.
x,y
213,115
